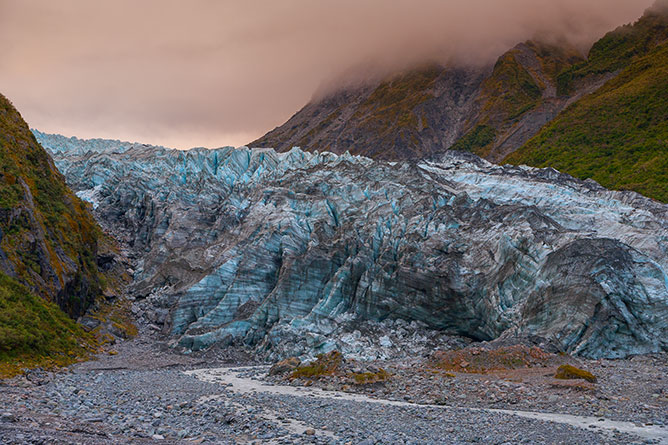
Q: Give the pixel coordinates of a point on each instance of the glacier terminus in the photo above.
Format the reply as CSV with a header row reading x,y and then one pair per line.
x,y
286,253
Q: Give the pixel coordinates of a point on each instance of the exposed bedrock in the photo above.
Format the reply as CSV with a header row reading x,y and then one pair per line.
x,y
253,247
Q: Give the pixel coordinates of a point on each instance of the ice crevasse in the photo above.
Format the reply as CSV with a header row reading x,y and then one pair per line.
x,y
248,246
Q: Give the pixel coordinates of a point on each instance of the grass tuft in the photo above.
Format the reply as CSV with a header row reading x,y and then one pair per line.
x,y
568,372
324,365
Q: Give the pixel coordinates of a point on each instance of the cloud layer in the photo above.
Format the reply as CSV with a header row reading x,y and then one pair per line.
x,y
216,72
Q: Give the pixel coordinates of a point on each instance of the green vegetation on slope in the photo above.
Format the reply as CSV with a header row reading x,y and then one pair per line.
x,y
507,94
554,59
391,110
48,255
510,90
514,88
476,140
618,48
48,238
617,136
34,331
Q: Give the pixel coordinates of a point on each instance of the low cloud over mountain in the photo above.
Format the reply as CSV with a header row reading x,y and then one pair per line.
x,y
215,73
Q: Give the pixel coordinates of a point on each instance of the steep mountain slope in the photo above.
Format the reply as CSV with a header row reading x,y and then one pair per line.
x,y
487,110
615,134
518,98
409,116
48,247
290,253
618,135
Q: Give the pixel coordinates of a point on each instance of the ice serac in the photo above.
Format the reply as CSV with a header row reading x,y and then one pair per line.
x,y
61,144
241,246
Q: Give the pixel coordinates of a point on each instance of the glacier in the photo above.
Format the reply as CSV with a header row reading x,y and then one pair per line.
x,y
263,249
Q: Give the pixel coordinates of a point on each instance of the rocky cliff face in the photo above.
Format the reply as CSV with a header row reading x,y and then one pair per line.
x,y
53,256
292,251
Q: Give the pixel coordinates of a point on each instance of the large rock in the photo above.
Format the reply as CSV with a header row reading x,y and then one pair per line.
x,y
258,248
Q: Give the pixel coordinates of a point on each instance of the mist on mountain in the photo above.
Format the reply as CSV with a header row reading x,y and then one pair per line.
x,y
217,73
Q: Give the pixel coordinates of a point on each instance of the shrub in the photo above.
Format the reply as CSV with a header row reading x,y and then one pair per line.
x,y
325,364
365,378
568,372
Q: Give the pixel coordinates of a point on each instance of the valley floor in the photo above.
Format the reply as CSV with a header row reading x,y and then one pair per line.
x,y
147,394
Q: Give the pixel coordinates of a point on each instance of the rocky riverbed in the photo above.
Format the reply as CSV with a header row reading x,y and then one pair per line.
x,y
632,390
147,394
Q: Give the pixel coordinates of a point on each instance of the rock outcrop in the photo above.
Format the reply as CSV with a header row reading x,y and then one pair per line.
x,y
272,249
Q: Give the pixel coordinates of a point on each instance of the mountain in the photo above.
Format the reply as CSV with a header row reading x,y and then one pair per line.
x,y
401,118
298,253
617,135
425,111
48,250
543,99
518,98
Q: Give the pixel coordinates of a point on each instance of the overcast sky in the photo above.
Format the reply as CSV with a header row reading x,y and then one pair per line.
x,y
215,72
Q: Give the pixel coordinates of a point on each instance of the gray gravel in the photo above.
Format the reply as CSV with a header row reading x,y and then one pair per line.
x,y
168,406
633,390
143,395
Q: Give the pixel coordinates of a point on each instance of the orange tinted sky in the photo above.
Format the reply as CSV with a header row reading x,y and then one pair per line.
x,y
214,72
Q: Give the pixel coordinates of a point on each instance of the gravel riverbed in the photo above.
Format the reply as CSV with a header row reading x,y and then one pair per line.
x,y
146,394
